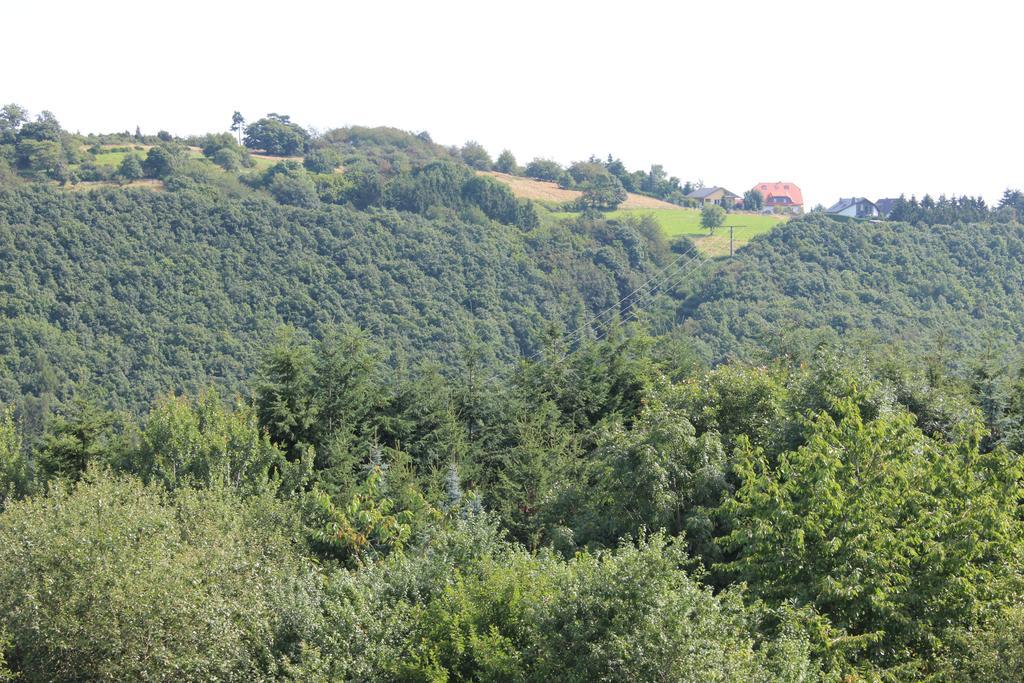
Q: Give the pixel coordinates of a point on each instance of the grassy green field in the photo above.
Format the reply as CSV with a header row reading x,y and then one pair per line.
x,y
112,155
686,222
261,163
112,158
677,222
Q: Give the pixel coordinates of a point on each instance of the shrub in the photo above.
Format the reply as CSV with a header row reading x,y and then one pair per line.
x,y
322,161
163,160
92,172
130,168
117,581
544,169
475,156
289,183
472,609
227,158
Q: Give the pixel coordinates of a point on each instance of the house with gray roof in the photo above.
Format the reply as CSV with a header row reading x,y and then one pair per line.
x,y
885,206
854,207
718,196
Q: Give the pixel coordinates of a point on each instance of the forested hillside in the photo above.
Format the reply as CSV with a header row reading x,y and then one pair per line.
x,y
141,292
610,515
306,410
958,286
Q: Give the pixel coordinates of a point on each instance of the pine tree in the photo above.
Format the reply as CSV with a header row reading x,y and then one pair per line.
x,y
452,488
284,394
15,475
76,439
238,125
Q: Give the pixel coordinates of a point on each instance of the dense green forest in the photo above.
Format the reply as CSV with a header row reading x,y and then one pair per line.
x,y
286,405
610,515
144,291
942,289
137,290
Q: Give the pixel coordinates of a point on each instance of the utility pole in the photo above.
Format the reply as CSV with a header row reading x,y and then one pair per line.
x,y
732,249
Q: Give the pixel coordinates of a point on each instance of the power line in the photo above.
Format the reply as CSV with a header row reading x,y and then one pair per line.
x,y
617,306
658,279
673,279
634,313
667,277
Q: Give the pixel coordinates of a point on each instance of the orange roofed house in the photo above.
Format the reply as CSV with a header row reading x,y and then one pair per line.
x,y
781,197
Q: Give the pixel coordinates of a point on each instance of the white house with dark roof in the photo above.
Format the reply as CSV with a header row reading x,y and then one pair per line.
x,y
885,206
854,207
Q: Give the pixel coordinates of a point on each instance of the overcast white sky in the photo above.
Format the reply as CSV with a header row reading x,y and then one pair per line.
x,y
844,98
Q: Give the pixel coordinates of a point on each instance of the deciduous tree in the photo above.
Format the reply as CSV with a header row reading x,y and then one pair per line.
x,y
506,163
130,168
753,200
276,134
474,154
712,216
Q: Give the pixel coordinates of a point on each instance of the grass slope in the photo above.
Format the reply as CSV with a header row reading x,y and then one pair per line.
x,y
680,222
113,155
546,191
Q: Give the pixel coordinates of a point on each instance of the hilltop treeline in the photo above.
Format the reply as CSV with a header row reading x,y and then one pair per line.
x,y
381,166
593,172
610,515
384,168
951,210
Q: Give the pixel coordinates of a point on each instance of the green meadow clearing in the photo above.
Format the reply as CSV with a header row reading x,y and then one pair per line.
x,y
110,156
113,155
686,222
677,222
